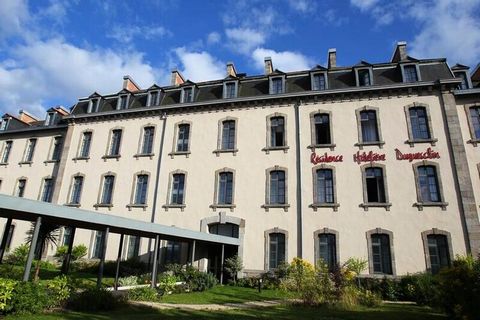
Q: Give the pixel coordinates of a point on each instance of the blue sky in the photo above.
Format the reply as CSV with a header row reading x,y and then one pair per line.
x,y
54,51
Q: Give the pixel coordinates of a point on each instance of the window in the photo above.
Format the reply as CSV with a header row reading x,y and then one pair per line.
x,y
230,90
224,229
47,190
4,124
147,145
438,252
428,184
85,146
178,188
276,85
67,236
154,98
93,105
475,121
76,190
381,256
133,247
141,189
6,151
328,249
107,194
98,245
419,123
187,95
324,186
57,148
115,143
51,117
322,129
465,83
122,102
30,150
8,244
364,78
276,250
277,187
410,73
375,187
368,124
277,132
319,81
183,137
225,188
172,252
21,187
228,135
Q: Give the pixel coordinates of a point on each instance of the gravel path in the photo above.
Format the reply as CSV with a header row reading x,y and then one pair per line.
x,y
226,306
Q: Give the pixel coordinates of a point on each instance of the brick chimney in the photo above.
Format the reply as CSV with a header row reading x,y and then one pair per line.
x,y
130,85
268,66
231,70
26,117
400,53
176,78
332,58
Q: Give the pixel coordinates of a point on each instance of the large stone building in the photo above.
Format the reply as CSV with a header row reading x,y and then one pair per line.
x,y
377,161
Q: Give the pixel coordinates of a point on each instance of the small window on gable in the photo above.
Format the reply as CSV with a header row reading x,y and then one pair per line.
x,y
153,98
4,124
93,105
410,73
51,118
277,85
364,77
465,83
230,90
319,81
187,95
122,103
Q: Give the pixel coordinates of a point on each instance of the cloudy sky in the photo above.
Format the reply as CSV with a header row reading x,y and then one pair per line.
x,y
54,51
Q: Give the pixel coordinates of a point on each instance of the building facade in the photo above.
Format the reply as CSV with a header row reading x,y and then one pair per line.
x,y
376,161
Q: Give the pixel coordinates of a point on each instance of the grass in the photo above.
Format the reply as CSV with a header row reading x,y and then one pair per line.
x,y
225,294
387,311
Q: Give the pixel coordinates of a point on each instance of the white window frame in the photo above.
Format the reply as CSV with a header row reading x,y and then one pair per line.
x,y
225,84
93,105
149,98
270,84
402,68
182,96
312,77
357,78
120,99
469,80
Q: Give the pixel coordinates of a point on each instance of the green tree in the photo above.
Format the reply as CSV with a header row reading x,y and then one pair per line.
x,y
233,266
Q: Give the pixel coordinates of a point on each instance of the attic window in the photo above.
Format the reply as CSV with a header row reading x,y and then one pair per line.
x,y
153,98
187,94
410,73
4,124
122,103
465,83
230,90
319,81
51,117
93,105
364,77
277,85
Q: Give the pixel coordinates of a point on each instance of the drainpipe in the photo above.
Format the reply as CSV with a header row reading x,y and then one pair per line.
x,y
299,182
157,181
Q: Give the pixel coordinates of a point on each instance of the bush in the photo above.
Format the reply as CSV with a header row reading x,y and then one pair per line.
x,y
250,282
7,287
93,300
18,255
58,290
166,283
145,278
143,294
202,281
128,281
29,297
77,252
420,288
233,266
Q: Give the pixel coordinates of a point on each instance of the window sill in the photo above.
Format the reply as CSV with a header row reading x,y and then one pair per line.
x,y
372,143
4,164
334,206
412,142
81,158
474,142
179,153
322,146
420,205
51,161
25,162
222,206
367,205
268,206
174,206
218,151
144,155
135,205
74,205
116,156
268,149
103,205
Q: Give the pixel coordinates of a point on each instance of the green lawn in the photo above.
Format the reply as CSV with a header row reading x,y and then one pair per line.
x,y
225,294
387,311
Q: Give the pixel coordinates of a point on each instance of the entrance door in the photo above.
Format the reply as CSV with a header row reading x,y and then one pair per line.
x,y
215,253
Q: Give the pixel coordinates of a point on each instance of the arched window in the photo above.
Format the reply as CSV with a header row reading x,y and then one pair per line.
x,y
183,137
322,129
277,132
225,188
228,135
381,255
178,188
327,249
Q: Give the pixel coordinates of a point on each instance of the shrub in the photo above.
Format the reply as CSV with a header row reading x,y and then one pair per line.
x,y
79,252
93,300
145,278
18,255
420,288
29,297
349,298
7,287
58,290
143,294
369,299
250,282
166,283
202,281
233,266
128,281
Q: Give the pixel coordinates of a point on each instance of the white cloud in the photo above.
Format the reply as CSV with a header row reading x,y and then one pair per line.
x,y
200,66
303,6
364,4
213,38
244,40
282,60
126,34
13,16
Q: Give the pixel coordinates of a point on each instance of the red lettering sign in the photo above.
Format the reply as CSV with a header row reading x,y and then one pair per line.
x,y
429,154
316,159
368,157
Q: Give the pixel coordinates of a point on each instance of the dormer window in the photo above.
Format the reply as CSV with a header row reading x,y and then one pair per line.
x,y
122,103
465,81
153,98
187,95
277,85
364,77
4,124
51,116
230,90
93,105
319,81
410,73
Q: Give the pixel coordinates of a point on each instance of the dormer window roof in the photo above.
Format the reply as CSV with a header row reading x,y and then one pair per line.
x,y
51,118
123,99
363,74
318,78
154,96
410,72
276,81
230,88
94,103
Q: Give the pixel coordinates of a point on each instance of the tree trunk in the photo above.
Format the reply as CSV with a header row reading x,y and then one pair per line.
x,y
37,268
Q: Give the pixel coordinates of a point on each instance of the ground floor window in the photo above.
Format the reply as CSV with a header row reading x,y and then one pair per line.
x,y
172,252
133,247
381,255
327,249
98,245
276,250
438,252
224,229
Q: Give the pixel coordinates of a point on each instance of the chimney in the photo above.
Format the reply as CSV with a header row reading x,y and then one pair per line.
x,y
400,53
268,65
130,85
231,70
177,78
26,117
332,58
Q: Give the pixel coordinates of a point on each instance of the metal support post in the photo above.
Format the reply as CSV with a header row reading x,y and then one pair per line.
x,y
221,264
193,252
3,245
102,258
155,262
119,256
31,252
